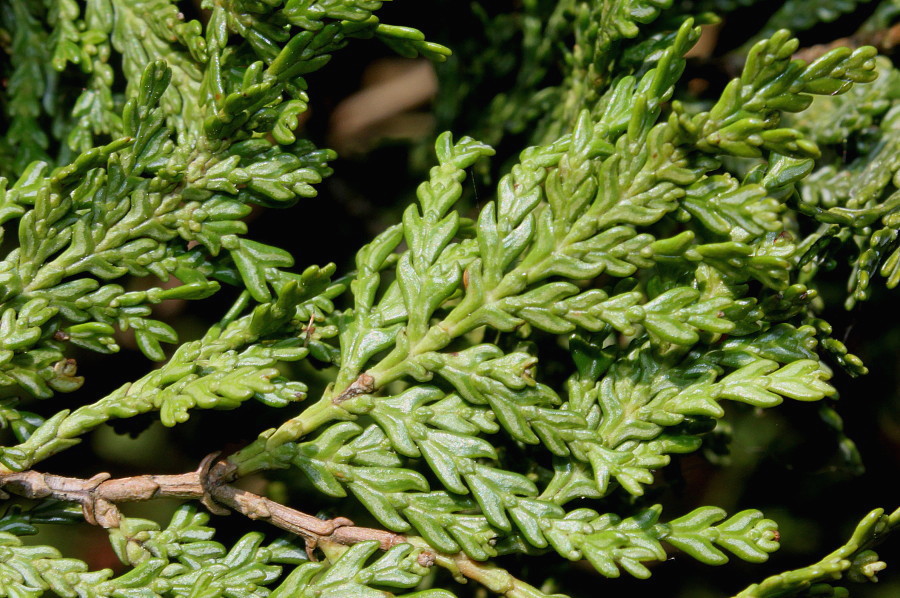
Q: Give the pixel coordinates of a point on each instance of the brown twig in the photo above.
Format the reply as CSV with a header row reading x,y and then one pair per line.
x,y
100,495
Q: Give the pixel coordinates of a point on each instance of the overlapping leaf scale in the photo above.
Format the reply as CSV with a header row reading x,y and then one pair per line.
x,y
61,237
596,203
586,228
589,226
346,457
115,236
484,375
634,411
853,196
261,25
353,573
118,210
519,238
622,19
556,245
856,203
423,422
675,316
427,273
222,370
622,435
855,561
613,544
94,111
597,29
744,122
620,431
170,562
831,120
149,30
726,208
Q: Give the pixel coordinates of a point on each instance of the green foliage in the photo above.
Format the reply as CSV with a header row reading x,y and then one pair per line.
x,y
855,559
668,247
177,561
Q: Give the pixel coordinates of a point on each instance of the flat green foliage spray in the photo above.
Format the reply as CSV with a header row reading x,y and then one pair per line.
x,y
668,247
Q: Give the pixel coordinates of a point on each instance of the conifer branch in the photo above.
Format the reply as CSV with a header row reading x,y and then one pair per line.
x,y
100,495
498,378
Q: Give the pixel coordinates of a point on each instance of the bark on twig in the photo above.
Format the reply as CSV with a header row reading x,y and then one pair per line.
x,y
100,495
209,483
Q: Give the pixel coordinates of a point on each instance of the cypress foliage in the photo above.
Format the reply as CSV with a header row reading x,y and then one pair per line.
x,y
482,383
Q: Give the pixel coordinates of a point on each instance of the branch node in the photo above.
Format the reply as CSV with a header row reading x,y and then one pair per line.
x,y
97,479
102,512
363,385
339,522
312,541
208,483
96,509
